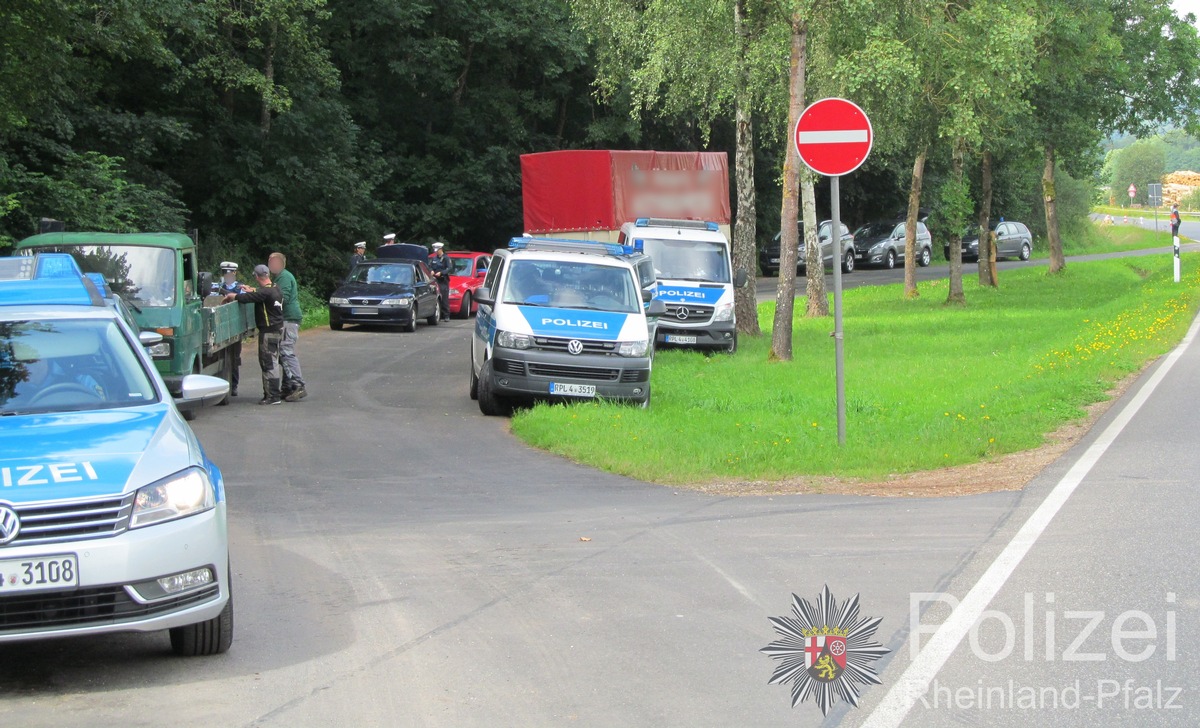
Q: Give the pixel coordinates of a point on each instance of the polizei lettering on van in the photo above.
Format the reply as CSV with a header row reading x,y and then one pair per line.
x,y
45,474
663,292
576,323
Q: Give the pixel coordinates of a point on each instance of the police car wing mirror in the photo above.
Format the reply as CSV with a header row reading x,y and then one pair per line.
x,y
202,389
741,278
149,338
656,308
483,295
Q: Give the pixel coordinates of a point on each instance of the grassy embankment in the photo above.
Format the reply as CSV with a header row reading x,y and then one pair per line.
x,y
928,385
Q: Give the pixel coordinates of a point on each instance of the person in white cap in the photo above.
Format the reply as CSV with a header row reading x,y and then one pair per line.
x,y
389,239
231,285
441,266
360,250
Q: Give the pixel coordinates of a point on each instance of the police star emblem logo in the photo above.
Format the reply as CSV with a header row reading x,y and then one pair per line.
x,y
825,651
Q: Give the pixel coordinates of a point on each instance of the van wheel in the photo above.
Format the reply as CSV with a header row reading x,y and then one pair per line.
x,y
212,637
644,402
490,403
925,258
848,262
474,382
732,348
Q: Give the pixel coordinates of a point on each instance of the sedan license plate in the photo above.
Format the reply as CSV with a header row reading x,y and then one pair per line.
x,y
573,390
774,260
677,339
42,572
364,311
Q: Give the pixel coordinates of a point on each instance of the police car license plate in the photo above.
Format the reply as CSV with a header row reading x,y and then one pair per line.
x,y
364,311
43,572
677,339
573,390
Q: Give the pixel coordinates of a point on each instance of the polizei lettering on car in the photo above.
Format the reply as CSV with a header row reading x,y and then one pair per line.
x,y
19,475
576,323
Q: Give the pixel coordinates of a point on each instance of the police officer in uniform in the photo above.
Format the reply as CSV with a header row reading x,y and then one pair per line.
x,y
230,284
268,317
441,266
360,250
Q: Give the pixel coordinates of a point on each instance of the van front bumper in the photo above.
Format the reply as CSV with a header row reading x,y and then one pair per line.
x,y
118,589
715,335
530,373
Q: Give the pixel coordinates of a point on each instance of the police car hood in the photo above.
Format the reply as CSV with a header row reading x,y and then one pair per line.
x,y
572,323
74,455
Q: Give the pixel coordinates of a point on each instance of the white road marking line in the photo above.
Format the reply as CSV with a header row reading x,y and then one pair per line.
x,y
914,681
833,137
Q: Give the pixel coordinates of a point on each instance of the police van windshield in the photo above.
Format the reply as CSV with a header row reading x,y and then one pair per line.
x,y
400,274
68,366
689,260
143,275
578,285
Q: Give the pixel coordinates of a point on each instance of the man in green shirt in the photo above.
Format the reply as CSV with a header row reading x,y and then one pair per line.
x,y
293,382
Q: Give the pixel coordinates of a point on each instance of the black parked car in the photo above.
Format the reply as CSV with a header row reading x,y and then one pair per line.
x,y
1013,240
392,290
882,243
768,255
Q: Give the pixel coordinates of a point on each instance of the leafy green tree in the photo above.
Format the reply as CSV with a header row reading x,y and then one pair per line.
x,y
1140,165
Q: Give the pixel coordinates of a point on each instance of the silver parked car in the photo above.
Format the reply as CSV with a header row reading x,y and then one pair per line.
x,y
882,244
1013,240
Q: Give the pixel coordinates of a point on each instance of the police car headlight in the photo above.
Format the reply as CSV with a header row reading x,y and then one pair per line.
x,y
633,348
182,494
337,301
161,350
403,302
509,340
724,312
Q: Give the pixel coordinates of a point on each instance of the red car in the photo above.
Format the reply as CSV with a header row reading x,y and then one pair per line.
x,y
469,269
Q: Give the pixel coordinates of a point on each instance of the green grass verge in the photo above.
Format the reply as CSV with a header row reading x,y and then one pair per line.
x,y
315,308
928,385
1110,239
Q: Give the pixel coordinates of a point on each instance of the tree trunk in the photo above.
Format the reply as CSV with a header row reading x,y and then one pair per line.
x,y
785,295
814,261
956,294
264,119
910,224
987,272
1057,261
745,226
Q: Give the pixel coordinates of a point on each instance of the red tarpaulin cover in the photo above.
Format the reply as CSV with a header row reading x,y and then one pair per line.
x,y
601,190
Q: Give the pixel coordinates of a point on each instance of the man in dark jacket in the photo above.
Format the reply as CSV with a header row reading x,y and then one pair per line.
x,y
268,317
360,254
441,266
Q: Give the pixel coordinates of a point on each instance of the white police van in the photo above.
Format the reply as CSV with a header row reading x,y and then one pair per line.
x,y
695,280
112,519
563,319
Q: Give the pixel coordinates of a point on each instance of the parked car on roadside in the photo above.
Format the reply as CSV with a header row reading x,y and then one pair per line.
x,y
386,292
465,279
769,254
1013,240
882,243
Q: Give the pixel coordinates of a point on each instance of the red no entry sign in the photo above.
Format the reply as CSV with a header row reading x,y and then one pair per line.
x,y
1132,191
833,137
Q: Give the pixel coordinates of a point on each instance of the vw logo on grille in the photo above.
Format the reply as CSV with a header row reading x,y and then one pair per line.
x,y
10,524
575,346
682,313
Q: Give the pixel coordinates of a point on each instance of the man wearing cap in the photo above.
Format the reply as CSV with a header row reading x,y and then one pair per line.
x,y
293,382
268,317
359,254
230,284
441,266
389,239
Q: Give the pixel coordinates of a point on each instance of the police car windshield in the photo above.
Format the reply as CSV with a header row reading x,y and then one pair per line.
x,y
571,284
143,275
689,260
69,366
400,274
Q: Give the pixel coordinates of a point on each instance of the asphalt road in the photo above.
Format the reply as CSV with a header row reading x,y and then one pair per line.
x,y
402,560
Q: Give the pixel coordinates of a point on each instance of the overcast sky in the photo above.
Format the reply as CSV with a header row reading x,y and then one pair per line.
x,y
1187,6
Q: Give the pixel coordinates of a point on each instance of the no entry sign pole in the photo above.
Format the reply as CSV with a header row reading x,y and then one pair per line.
x,y
834,137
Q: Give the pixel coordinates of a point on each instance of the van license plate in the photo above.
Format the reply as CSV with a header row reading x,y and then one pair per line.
x,y
364,311
573,390
42,572
677,339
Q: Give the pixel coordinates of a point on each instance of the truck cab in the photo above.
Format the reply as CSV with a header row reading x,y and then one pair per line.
x,y
157,275
695,280
565,320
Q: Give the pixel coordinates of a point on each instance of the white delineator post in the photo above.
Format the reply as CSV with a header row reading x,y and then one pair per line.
x,y
1175,239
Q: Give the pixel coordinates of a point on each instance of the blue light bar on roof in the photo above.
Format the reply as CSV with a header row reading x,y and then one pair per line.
x,y
688,224
45,279
56,265
559,245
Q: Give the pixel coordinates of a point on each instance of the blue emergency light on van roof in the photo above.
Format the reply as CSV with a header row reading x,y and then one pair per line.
x,y
45,279
712,227
559,245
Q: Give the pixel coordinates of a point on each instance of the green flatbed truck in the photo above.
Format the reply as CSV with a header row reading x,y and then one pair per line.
x,y
157,275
